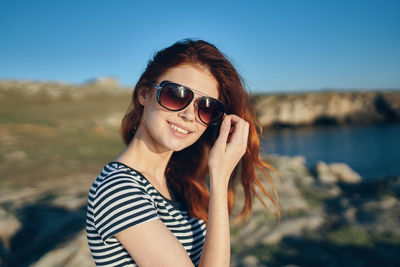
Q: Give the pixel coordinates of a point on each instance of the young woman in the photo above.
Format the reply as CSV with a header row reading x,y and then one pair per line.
x,y
190,133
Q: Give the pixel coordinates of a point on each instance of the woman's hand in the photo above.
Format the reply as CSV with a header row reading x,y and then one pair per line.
x,y
228,149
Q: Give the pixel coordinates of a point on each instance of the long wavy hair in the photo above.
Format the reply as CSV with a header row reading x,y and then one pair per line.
x,y
187,170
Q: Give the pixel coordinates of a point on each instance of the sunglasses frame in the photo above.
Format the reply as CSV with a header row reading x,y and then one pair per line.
x,y
196,100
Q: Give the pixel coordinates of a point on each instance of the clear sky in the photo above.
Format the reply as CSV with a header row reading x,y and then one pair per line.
x,y
276,45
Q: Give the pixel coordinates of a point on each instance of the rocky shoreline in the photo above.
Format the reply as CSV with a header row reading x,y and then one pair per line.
x,y
329,216
340,221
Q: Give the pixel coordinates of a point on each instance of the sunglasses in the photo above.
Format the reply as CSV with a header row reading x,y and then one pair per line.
x,y
176,97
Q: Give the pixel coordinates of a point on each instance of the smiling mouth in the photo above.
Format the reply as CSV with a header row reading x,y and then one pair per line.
x,y
178,129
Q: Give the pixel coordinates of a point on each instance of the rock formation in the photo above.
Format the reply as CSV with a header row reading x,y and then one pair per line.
x,y
327,108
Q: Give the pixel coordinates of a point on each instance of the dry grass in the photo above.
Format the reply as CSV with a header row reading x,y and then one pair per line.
x,y
45,139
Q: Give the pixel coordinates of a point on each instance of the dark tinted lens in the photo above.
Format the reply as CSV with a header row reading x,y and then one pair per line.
x,y
175,97
210,110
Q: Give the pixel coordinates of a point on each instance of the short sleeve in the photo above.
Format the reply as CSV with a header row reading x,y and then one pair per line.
x,y
121,202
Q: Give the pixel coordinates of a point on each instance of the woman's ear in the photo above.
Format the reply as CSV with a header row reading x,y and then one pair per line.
x,y
143,97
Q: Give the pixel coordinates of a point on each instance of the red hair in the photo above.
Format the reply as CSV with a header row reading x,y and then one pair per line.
x,y
187,169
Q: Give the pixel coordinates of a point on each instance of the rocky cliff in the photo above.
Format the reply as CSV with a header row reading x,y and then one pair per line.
x,y
327,108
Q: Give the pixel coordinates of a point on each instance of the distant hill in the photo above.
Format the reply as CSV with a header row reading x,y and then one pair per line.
x,y
36,89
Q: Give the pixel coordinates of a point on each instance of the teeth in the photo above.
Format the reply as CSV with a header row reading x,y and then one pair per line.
x,y
179,129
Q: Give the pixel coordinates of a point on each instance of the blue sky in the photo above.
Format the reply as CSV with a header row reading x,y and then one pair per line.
x,y
276,45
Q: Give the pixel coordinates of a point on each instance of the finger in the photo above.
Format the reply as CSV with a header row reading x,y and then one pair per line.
x,y
246,133
235,118
231,130
239,129
234,121
224,132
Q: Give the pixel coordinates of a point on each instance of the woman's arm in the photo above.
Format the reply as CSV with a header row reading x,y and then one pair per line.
x,y
224,156
152,244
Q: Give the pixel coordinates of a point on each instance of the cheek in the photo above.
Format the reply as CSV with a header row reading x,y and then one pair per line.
x,y
200,131
151,111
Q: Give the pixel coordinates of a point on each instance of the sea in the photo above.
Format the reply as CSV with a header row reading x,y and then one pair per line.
x,y
373,151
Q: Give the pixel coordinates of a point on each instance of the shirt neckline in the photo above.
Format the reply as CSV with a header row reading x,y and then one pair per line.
x,y
176,204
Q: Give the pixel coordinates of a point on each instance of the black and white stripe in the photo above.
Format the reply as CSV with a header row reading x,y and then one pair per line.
x,y
121,197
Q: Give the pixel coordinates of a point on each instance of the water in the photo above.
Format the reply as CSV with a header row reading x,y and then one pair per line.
x,y
371,150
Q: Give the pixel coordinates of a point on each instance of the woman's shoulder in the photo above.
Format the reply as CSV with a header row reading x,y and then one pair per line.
x,y
117,174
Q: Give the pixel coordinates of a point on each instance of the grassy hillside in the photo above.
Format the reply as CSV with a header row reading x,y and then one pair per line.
x,y
47,137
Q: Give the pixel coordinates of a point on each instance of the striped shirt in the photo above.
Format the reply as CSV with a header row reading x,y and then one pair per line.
x,y
120,198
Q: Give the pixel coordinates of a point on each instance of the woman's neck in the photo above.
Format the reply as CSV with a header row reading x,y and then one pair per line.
x,y
140,155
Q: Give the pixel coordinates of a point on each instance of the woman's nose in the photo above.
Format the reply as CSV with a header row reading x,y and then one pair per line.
x,y
188,113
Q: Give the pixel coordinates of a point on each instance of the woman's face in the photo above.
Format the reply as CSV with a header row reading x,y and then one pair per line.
x,y
175,130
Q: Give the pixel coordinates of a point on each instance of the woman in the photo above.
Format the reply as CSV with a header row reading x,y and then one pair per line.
x,y
190,134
